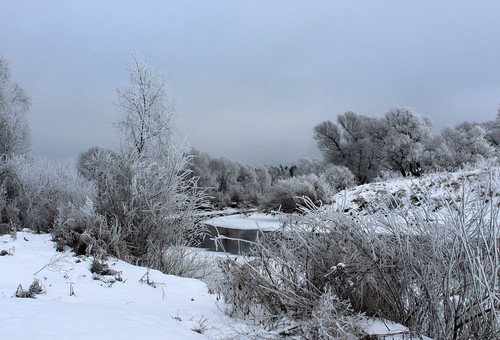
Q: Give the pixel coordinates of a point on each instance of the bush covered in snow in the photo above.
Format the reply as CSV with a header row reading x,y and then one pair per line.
x,y
32,194
339,177
288,194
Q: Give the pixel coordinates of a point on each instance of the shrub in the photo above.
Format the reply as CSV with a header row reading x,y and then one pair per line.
x,y
333,318
339,177
288,194
34,193
87,232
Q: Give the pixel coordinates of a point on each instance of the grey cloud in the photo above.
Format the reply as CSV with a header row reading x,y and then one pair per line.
x,y
251,79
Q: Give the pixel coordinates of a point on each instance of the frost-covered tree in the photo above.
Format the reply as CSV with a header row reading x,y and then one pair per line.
x,y
492,132
152,195
367,145
200,169
246,190
436,155
405,140
228,182
147,123
94,162
111,176
307,166
14,104
278,172
263,178
226,175
347,143
466,143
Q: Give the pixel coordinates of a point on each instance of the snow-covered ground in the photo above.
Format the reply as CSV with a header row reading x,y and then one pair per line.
x,y
437,190
169,308
254,221
175,308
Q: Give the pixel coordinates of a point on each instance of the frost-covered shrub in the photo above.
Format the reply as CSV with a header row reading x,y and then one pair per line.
x,y
288,194
288,276
46,189
186,262
34,193
333,318
87,232
339,177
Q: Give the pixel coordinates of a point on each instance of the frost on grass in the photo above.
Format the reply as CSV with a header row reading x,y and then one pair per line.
x,y
434,271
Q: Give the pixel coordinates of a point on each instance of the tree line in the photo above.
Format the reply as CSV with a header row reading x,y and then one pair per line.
x,y
356,149
402,141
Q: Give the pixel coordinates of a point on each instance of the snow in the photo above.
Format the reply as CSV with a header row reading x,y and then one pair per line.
x,y
389,330
174,308
433,189
264,222
99,310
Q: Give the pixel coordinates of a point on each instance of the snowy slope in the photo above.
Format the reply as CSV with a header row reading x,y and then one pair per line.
x,y
436,190
175,309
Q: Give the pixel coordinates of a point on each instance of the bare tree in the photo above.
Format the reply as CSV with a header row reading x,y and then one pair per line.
x,y
348,143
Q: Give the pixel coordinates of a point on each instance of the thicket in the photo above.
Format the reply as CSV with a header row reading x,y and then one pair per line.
x,y
434,272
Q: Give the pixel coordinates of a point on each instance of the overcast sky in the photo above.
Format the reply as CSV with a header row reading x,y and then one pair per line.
x,y
251,79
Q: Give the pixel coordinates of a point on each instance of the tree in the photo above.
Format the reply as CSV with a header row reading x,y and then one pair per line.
x,y
263,177
436,155
111,176
147,107
14,104
308,166
492,130
158,196
405,141
200,169
94,162
226,175
347,143
466,143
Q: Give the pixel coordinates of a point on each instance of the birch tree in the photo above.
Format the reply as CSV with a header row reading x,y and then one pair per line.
x,y
158,210
147,106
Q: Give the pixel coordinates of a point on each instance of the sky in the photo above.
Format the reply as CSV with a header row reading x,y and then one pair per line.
x,y
250,79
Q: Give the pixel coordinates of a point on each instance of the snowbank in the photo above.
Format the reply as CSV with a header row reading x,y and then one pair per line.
x,y
174,308
254,221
